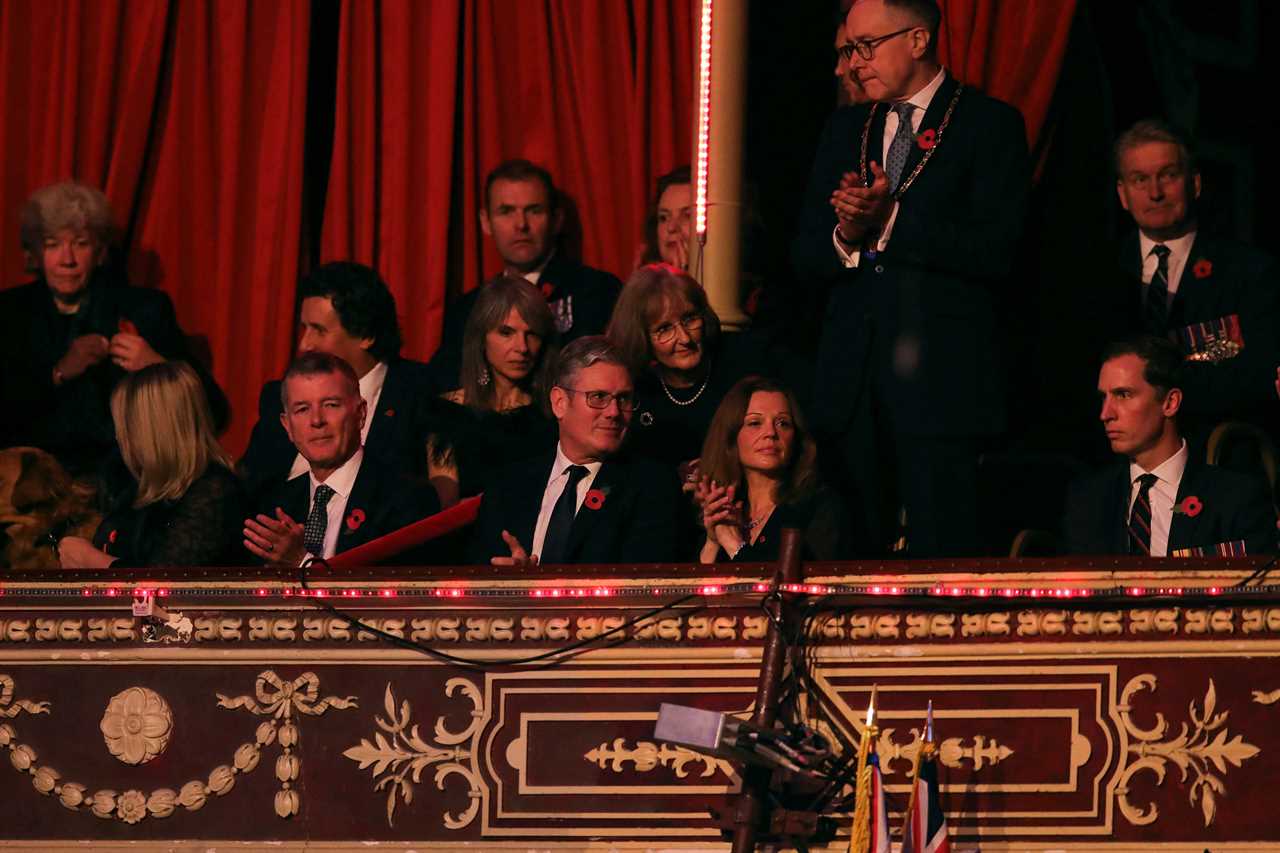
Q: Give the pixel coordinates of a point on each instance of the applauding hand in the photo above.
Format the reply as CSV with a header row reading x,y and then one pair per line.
x,y
277,540
519,556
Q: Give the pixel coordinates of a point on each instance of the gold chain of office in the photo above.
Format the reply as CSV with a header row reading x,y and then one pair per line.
x,y
946,120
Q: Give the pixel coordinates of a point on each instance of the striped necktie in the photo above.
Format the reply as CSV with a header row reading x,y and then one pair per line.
x,y
1140,517
1156,310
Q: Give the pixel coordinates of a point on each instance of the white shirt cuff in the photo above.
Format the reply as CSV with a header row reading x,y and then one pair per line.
x,y
847,257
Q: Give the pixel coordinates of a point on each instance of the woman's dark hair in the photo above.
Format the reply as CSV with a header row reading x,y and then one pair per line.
x,y
720,459
677,176
494,303
362,301
643,299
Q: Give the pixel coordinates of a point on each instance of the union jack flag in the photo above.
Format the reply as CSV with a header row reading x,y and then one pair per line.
x,y
879,839
925,830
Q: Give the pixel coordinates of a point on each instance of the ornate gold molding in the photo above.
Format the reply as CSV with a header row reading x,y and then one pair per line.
x,y
132,806
1196,750
646,756
397,761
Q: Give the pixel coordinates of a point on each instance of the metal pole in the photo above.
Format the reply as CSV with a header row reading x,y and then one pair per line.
x,y
749,811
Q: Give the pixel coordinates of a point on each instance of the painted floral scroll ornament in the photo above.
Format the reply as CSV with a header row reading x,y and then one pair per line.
x,y
1197,751
137,725
400,758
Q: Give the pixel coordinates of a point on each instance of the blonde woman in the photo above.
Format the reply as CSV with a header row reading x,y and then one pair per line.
x,y
186,507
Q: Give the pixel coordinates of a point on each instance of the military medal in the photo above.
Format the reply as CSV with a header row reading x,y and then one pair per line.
x,y
1213,341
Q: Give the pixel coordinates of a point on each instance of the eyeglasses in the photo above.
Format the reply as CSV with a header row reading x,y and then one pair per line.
x,y
602,399
867,47
690,323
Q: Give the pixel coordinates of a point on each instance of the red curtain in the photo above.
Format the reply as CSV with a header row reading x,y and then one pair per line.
x,y
599,93
1012,51
63,117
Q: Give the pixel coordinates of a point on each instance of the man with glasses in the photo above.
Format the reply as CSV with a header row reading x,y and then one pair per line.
x,y
581,503
1219,300
913,214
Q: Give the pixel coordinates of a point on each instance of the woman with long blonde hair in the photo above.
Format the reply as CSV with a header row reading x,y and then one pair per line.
x,y
186,507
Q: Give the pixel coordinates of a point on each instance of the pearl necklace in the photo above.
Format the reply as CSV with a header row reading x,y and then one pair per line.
x,y
692,399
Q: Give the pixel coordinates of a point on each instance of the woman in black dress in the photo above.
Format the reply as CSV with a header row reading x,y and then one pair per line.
x,y
183,506
498,416
759,475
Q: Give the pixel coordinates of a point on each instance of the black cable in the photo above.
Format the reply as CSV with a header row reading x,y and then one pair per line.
x,y
547,659
1259,575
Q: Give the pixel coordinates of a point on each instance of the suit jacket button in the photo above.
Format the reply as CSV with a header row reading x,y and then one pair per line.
x,y
879,267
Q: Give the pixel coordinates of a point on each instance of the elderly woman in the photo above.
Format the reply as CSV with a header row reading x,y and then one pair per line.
x,y
67,338
186,508
682,365
759,475
669,225
499,415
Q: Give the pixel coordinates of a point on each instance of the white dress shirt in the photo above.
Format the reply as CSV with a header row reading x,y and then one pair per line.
x,y
370,390
555,487
920,100
1163,495
1179,250
534,276
342,482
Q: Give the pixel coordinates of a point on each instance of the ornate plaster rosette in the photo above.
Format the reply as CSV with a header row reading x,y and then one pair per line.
x,y
137,725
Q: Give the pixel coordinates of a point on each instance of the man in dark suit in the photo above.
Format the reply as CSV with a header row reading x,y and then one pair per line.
x,y
1219,300
67,338
347,498
1159,500
348,311
913,212
581,502
523,215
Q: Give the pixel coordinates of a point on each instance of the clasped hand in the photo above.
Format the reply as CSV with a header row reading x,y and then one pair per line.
x,y
722,514
277,540
861,210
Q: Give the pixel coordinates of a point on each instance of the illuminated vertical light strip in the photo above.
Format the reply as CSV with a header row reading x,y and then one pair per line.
x,y
704,123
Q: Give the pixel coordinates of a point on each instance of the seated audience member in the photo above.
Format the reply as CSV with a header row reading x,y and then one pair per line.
x,y
348,311
580,502
1218,299
760,475
185,506
67,338
523,215
498,415
1158,499
670,338
669,225
348,497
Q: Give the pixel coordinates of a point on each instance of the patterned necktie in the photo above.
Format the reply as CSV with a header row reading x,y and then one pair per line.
x,y
317,521
556,541
1140,517
900,147
1156,311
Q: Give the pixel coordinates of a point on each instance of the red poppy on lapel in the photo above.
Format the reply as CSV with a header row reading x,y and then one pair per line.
x,y
125,326
391,413
355,518
926,139
1203,268
547,289
594,499
1190,506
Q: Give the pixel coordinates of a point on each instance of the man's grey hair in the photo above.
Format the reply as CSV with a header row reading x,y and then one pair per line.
x,y
581,354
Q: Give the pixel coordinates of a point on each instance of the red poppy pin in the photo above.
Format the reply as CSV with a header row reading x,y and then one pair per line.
x,y
111,537
1203,268
1190,506
391,413
926,139
547,289
355,518
125,326
594,499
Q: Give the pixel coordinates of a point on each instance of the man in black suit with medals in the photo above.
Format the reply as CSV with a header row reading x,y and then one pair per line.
x,y
348,311
523,216
347,497
913,212
1160,500
581,502
1219,300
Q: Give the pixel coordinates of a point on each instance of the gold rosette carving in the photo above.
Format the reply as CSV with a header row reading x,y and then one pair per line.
x,y
137,725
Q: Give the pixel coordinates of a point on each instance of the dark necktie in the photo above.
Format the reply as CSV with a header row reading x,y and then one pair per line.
x,y
1156,310
900,147
1140,517
317,521
557,539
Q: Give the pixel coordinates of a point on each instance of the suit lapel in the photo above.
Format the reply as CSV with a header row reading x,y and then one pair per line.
x,y
875,137
296,497
931,121
1119,502
391,407
1184,529
1191,290
526,502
